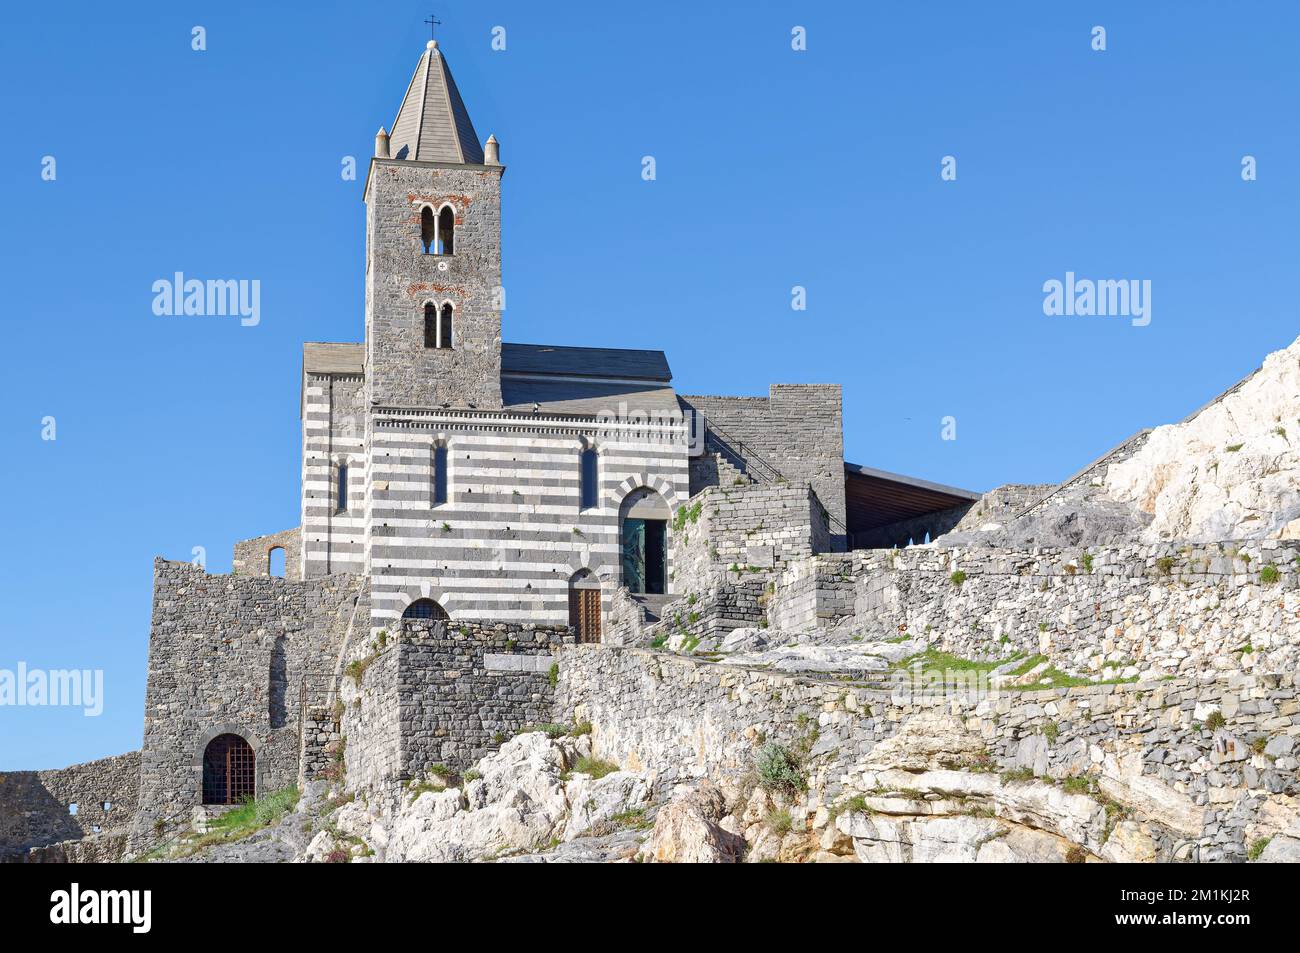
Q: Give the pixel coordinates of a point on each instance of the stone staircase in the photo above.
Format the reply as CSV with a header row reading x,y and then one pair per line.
x,y
652,604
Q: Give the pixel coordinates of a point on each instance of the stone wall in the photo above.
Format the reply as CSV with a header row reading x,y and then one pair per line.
x,y
797,428
35,807
253,556
229,654
400,278
1208,766
728,546
815,592
445,694
1155,610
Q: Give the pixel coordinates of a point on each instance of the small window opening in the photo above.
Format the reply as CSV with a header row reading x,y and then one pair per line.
x,y
72,808
439,475
430,325
444,326
445,232
275,561
425,609
343,487
428,230
589,474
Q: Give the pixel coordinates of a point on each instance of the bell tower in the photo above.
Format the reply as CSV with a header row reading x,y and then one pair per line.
x,y
433,252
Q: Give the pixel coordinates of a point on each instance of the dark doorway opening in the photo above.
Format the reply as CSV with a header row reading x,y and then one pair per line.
x,y
645,556
229,771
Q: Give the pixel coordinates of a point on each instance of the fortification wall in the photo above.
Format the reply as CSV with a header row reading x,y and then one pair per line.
x,y
444,694
253,556
1203,786
229,654
1158,610
729,543
36,808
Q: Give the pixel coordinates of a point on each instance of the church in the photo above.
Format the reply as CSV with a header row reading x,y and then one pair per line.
x,y
468,505
476,479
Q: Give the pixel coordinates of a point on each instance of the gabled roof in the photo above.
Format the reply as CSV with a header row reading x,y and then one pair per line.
x,y
432,124
585,362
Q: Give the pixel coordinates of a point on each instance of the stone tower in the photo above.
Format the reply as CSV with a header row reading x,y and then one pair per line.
x,y
433,253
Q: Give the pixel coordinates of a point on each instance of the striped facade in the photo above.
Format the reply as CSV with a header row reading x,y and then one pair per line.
x,y
512,534
333,435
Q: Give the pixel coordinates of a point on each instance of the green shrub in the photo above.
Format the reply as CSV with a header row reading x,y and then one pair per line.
x,y
1215,720
778,770
1257,848
1269,575
957,578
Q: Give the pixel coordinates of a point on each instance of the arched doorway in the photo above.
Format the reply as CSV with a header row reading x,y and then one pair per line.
x,y
643,532
425,609
229,771
584,606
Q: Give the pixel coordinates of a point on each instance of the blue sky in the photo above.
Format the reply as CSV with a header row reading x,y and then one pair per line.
x,y
775,168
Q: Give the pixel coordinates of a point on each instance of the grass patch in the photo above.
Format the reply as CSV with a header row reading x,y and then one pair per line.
x,y
249,818
854,805
1215,720
933,663
594,767
1269,575
1257,848
634,820
779,822
957,578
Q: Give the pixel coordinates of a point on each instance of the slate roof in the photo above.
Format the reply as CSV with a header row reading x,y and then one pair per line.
x,y
585,362
433,124
591,399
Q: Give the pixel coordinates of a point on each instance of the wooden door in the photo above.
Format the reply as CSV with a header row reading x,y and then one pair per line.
x,y
584,614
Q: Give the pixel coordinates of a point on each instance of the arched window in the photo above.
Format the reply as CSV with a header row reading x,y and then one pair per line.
x,y
425,609
584,606
430,324
428,230
439,475
446,231
342,490
589,478
275,561
228,771
444,326
438,325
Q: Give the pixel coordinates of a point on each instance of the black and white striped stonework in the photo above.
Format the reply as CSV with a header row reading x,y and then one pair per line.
x,y
333,435
512,532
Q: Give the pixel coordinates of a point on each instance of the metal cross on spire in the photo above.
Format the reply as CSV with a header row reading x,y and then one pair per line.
x,y
433,22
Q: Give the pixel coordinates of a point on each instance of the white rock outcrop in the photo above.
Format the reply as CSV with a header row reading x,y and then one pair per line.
x,y
1230,472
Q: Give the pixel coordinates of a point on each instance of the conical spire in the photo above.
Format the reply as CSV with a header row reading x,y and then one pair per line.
x,y
433,124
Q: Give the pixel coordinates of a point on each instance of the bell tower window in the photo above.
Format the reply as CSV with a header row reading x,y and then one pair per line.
x,y
446,231
438,325
428,231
